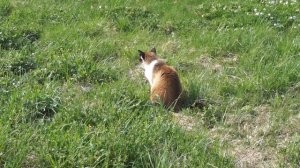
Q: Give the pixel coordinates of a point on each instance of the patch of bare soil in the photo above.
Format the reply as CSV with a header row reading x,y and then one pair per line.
x,y
188,123
171,46
30,161
216,65
136,73
249,137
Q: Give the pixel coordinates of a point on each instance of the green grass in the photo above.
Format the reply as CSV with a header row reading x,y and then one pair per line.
x,y
71,94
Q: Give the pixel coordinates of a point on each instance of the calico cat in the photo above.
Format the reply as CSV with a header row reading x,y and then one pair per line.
x,y
163,79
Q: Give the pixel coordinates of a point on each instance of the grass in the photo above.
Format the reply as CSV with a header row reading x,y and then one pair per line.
x,y
72,95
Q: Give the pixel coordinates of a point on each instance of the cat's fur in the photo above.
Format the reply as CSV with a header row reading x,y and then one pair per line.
x,y
163,79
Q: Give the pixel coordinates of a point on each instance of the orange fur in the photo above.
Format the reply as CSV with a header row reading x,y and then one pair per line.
x,y
165,86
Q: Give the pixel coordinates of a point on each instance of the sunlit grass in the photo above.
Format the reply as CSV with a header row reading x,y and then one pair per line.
x,y
71,93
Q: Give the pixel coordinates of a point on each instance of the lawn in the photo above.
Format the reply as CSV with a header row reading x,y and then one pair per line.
x,y
72,93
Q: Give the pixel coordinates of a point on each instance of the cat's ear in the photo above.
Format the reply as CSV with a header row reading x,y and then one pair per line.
x,y
142,55
153,50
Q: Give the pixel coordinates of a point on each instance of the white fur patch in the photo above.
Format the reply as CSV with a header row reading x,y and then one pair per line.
x,y
149,71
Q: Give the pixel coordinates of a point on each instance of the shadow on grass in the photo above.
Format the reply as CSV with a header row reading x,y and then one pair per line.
x,y
42,107
18,40
22,66
196,101
5,9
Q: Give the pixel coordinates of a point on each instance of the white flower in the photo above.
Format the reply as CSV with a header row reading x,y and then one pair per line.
x,y
292,17
259,13
271,2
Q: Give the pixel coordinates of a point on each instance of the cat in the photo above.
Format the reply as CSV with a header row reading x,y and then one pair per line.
x,y
164,80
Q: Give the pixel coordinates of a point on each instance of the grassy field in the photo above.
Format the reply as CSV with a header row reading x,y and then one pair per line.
x,y
72,93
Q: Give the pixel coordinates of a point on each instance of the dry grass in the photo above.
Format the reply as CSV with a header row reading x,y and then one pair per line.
x,y
248,136
188,123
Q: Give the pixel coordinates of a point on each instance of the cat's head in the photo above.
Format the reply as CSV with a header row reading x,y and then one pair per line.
x,y
147,57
